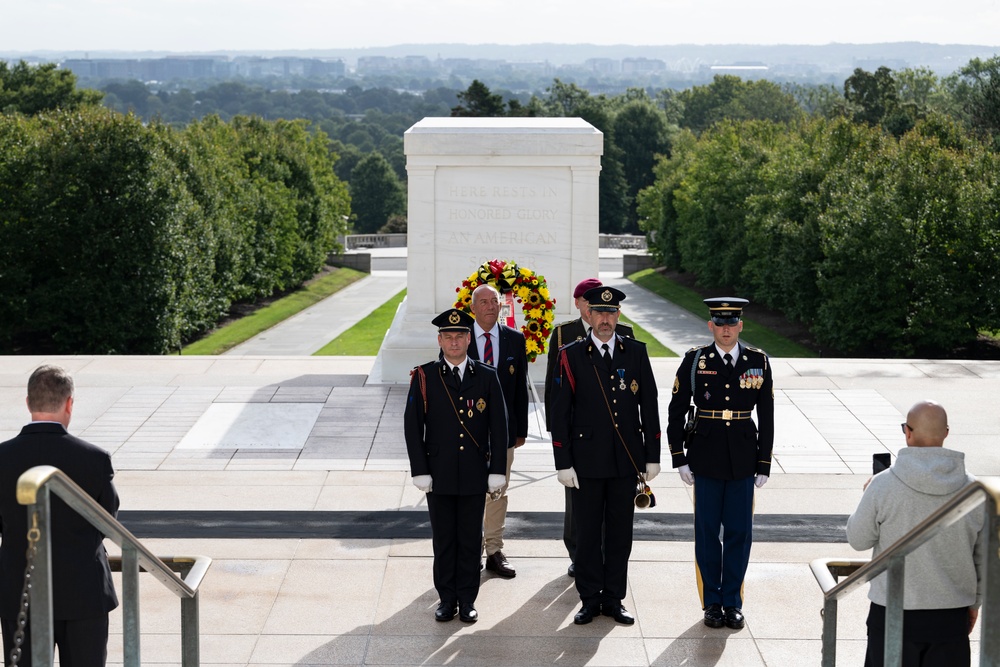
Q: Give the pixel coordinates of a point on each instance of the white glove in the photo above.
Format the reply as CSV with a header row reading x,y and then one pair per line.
x,y
686,475
423,482
652,470
760,481
495,482
568,478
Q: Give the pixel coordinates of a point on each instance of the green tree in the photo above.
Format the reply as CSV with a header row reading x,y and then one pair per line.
x,y
873,95
477,100
977,88
376,194
32,89
640,134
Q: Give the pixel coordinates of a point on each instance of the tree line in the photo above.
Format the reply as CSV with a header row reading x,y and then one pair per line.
x,y
878,227
124,237
678,165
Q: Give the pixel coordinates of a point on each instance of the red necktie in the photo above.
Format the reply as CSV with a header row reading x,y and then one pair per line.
x,y
488,350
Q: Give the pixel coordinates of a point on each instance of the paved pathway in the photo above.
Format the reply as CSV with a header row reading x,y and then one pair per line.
x,y
314,327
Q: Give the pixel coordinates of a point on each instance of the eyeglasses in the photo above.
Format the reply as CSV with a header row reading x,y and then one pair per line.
x,y
905,426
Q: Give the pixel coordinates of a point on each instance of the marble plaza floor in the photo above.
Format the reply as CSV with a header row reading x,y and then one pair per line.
x,y
309,436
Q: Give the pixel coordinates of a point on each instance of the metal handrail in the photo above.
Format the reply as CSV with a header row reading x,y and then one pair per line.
x,y
33,489
861,571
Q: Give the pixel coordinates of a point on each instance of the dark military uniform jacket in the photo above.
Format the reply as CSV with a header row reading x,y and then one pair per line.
x,y
584,436
564,333
459,435
721,448
511,362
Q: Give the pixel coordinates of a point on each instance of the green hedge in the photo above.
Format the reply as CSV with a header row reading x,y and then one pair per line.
x,y
883,246
118,237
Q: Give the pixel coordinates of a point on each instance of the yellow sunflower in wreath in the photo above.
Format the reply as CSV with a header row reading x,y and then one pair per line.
x,y
529,288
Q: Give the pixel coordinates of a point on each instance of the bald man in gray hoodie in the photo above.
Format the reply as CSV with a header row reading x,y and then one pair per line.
x,y
943,587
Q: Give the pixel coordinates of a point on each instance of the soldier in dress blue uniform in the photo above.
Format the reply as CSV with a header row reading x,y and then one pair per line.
x,y
455,424
727,455
606,439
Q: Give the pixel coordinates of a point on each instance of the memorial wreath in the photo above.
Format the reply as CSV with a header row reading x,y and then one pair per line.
x,y
529,288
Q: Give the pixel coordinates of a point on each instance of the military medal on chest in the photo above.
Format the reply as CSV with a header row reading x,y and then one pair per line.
x,y
469,406
480,405
621,379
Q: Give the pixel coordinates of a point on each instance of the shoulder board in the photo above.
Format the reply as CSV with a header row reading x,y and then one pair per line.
x,y
623,325
631,341
698,347
575,341
562,324
756,349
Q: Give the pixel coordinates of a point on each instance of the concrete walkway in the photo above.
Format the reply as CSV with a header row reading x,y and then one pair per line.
x,y
306,434
314,327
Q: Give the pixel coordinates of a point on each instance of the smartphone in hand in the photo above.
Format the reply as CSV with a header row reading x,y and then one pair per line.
x,y
880,462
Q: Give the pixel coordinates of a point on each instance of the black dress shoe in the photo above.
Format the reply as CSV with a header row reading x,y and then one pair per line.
x,y
586,614
616,611
497,562
714,618
734,618
467,612
572,570
446,611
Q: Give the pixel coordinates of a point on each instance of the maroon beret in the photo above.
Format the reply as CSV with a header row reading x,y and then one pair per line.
x,y
585,285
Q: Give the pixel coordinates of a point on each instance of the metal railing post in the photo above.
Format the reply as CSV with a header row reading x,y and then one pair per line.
x,y
190,648
40,597
894,612
989,613
130,606
829,632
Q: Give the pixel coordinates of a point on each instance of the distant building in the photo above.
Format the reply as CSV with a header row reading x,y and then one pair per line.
x,y
642,65
603,65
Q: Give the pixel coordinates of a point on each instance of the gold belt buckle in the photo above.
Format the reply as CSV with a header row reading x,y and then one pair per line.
x,y
727,414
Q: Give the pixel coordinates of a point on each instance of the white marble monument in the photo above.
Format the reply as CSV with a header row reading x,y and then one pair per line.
x,y
516,189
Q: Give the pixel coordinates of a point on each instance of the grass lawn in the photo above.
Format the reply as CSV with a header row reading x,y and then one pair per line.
x,y
653,347
759,336
245,328
364,338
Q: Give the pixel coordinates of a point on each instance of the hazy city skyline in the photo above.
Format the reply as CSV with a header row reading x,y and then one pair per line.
x,y
259,25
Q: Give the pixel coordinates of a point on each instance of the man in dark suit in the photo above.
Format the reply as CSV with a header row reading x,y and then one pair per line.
x,y
605,438
727,455
503,348
455,425
564,333
82,590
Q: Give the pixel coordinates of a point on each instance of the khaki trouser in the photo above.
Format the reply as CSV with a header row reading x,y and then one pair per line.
x,y
496,514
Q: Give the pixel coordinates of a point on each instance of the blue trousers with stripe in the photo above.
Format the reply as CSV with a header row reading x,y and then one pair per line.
x,y
721,562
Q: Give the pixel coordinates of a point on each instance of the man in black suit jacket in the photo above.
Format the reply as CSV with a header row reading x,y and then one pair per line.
x,y
455,425
503,348
605,437
563,334
82,590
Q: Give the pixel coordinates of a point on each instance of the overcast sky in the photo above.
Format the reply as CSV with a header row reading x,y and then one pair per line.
x,y
210,25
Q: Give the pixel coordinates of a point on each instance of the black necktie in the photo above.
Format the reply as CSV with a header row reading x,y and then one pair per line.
x,y
458,376
728,358
606,354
